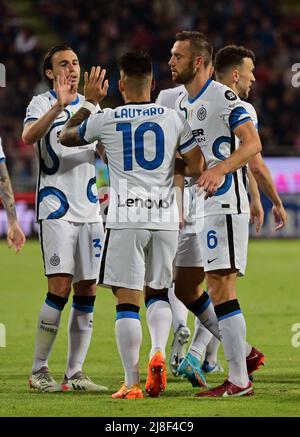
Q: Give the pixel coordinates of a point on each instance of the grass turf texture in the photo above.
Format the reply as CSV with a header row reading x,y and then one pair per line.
x,y
269,298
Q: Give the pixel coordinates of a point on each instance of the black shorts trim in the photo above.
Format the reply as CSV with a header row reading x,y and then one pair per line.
x,y
230,240
102,266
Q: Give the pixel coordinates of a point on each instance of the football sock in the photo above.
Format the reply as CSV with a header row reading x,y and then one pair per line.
x,y
179,310
80,330
211,354
248,349
233,332
48,323
204,310
201,338
159,320
128,332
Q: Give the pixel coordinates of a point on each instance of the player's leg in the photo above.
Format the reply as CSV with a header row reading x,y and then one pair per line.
x,y
126,275
160,254
80,327
56,244
229,258
210,362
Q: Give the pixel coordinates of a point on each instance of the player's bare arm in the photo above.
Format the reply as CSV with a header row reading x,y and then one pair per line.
x,y
95,89
250,145
15,235
34,131
256,209
264,179
193,163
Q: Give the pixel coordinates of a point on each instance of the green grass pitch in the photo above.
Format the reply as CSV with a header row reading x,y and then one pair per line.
x,y
269,297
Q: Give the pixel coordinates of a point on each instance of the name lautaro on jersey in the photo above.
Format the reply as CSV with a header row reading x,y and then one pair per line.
x,y
138,112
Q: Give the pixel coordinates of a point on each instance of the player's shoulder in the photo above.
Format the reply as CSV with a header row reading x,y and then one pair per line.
x,y
250,109
168,96
223,93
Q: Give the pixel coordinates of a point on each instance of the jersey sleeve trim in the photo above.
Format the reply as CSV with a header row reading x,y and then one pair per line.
x,y
27,120
81,131
237,116
244,120
187,146
2,160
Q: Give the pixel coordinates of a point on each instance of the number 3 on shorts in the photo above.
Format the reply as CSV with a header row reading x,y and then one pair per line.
x,y
212,240
97,245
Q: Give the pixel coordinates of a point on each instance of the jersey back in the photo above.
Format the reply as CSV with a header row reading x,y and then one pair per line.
x,y
140,142
66,187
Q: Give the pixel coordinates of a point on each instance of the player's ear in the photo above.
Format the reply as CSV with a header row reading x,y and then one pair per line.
x,y
236,75
153,84
121,85
49,74
199,61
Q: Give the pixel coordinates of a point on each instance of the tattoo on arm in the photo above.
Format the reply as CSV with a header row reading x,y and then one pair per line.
x,y
69,135
6,194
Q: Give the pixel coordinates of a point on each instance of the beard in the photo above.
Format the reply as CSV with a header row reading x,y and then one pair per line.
x,y
187,75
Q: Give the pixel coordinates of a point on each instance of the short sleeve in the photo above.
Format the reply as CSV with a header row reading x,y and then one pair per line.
x,y
187,141
232,111
36,109
2,156
90,129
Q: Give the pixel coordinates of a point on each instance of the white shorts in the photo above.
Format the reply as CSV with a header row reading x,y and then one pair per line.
x,y
132,258
224,242
188,251
71,248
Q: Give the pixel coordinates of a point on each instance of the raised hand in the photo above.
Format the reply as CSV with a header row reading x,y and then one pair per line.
x,y
65,92
95,87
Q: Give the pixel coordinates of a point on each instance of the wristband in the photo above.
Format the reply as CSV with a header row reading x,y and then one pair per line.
x,y
88,105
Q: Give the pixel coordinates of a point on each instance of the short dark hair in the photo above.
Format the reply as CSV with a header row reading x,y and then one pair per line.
x,y
231,56
199,44
48,65
136,63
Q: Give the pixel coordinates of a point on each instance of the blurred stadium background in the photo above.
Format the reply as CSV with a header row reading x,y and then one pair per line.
x,y
99,31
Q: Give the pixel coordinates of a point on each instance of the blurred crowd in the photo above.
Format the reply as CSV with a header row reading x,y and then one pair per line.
x,y
101,31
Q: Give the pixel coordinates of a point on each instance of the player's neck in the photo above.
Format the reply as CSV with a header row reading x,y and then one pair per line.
x,y
231,85
137,98
194,87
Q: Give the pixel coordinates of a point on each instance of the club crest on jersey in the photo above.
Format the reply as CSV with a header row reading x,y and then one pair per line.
x,y
54,260
201,113
230,95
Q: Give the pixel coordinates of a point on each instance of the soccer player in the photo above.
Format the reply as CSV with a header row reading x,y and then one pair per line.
x,y
217,117
140,140
71,230
15,235
234,67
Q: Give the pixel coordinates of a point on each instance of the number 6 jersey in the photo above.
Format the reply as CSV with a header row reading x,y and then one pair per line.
x,y
213,115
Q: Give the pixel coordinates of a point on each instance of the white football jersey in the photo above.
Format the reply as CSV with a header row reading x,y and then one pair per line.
x,y
251,111
2,156
66,186
140,142
213,115
168,98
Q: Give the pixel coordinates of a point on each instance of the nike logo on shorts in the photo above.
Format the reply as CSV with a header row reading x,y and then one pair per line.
x,y
211,260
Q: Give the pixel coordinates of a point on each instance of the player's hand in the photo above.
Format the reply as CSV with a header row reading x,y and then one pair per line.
x,y
15,237
280,216
95,87
257,214
65,92
211,179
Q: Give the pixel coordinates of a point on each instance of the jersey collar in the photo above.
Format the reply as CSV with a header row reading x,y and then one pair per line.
x,y
203,89
53,93
138,103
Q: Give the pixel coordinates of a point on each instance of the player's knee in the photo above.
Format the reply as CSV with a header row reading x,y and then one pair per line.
x,y
85,288
60,285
